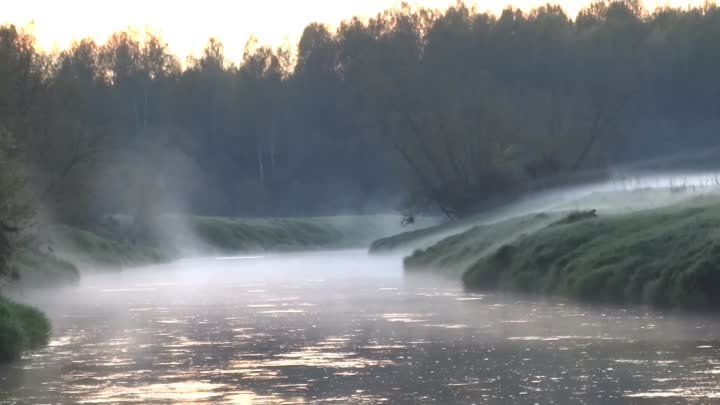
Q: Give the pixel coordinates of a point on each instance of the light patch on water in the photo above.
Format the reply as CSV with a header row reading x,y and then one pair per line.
x,y
251,398
283,311
332,343
346,373
713,371
121,290
170,321
686,393
292,386
119,342
116,362
186,342
255,374
281,299
405,318
556,338
337,339
310,357
176,352
467,382
630,361
158,285
383,347
239,257
437,294
446,326
64,341
357,398
176,392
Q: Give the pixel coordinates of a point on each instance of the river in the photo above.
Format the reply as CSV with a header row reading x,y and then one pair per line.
x,y
345,328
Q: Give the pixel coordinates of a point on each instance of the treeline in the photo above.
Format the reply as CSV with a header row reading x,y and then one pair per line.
x,y
443,109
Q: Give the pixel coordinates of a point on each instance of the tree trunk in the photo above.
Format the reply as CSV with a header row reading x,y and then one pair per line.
x,y
425,182
594,134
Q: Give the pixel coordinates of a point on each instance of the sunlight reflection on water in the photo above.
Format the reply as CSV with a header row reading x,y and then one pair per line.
x,y
362,335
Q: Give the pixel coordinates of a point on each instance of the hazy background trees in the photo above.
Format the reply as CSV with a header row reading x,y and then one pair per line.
x,y
451,110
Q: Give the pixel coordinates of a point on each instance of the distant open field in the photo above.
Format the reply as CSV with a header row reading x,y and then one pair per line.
x,y
621,195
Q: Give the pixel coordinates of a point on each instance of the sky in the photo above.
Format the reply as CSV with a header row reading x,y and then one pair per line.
x,y
187,25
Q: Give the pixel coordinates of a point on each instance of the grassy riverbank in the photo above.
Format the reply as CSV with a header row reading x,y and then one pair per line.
x,y
35,268
418,237
607,201
65,249
454,254
21,328
100,247
666,257
287,234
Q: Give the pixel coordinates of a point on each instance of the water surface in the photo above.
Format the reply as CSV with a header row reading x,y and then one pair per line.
x,y
344,328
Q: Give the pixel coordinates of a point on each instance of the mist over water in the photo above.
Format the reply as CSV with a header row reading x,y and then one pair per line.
x,y
345,328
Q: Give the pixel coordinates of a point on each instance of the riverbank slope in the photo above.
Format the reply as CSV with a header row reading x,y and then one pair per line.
x,y
665,257
658,247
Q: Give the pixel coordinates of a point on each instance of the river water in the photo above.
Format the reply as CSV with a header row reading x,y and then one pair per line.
x,y
345,328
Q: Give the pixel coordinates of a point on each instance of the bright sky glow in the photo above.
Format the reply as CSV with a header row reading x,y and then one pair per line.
x,y
187,25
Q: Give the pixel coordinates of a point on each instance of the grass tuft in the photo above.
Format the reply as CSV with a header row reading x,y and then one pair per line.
x,y
22,328
576,216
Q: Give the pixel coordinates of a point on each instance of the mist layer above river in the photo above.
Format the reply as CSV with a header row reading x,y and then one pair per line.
x,y
343,328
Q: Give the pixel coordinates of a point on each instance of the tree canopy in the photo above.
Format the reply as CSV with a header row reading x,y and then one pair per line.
x,y
445,109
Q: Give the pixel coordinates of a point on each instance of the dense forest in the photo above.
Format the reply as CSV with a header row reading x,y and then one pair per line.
x,y
413,109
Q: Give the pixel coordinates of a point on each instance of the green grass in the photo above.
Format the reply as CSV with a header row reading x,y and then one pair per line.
x,y
576,216
252,234
84,247
417,238
22,328
667,257
177,236
607,201
455,253
36,268
283,234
